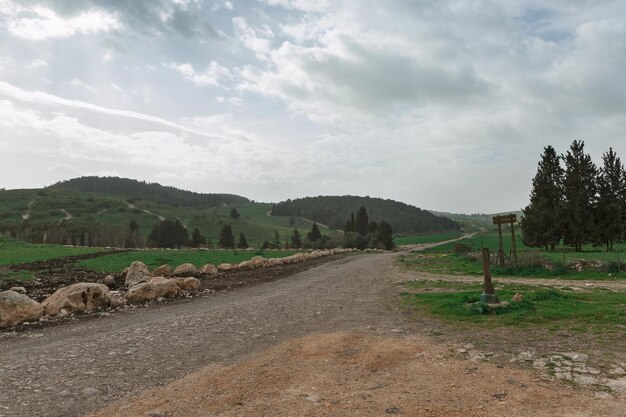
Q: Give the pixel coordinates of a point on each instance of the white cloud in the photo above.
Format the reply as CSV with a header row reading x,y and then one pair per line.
x,y
37,64
249,38
77,82
41,23
212,76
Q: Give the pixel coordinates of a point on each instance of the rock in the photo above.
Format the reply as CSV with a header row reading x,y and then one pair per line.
x,y
21,290
163,271
153,289
108,280
137,272
185,270
224,267
188,284
259,262
244,265
90,391
208,270
117,300
16,308
517,297
80,297
275,261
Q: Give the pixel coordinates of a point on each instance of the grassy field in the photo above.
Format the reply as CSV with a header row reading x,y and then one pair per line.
x,y
14,252
153,258
533,262
419,239
600,311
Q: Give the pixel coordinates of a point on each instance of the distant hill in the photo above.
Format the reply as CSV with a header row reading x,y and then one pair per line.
x,y
129,188
474,222
334,211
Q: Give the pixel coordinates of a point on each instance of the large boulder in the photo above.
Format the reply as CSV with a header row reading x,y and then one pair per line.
x,y
224,267
187,284
275,261
155,288
162,271
16,308
208,270
259,262
244,265
137,272
185,270
80,297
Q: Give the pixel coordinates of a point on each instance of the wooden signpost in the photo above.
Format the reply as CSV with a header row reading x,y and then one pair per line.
x,y
506,219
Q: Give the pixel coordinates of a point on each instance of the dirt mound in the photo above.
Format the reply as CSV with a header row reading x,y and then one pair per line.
x,y
353,374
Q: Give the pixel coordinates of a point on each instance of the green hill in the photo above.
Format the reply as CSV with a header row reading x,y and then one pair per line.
x,y
475,222
97,211
334,211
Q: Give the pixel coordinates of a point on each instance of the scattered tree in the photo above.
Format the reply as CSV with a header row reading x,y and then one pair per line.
x,y
361,224
296,241
314,235
611,207
243,243
226,239
234,214
197,239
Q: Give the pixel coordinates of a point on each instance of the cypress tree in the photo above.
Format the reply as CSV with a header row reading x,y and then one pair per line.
x,y
243,242
541,224
579,191
611,200
296,241
384,235
226,239
197,239
361,224
314,235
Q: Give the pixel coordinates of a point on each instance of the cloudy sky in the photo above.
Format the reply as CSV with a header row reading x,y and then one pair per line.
x,y
443,104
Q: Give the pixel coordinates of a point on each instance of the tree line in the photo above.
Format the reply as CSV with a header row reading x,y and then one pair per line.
x,y
574,201
334,210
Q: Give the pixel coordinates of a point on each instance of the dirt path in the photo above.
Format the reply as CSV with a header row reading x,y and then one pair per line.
x,y
29,206
132,206
251,336
68,216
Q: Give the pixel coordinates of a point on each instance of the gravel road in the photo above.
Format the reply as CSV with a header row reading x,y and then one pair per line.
x,y
75,368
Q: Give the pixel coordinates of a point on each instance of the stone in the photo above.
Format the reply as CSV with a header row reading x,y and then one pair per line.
x,y
224,267
275,261
259,262
208,270
152,290
185,270
16,308
21,290
244,265
90,391
81,297
163,271
187,284
108,280
137,272
517,298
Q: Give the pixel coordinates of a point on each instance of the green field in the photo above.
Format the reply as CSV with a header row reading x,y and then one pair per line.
x,y
533,262
432,238
14,252
601,311
115,263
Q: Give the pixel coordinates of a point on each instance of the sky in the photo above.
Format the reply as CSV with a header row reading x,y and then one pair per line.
x,y
446,105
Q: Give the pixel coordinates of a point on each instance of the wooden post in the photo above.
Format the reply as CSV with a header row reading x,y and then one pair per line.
x,y
489,293
501,251
513,248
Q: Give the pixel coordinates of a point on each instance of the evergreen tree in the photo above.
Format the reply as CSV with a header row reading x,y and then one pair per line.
x,y
611,208
226,239
384,235
133,234
243,243
361,222
314,235
296,241
579,191
169,234
234,214
541,224
197,239
276,239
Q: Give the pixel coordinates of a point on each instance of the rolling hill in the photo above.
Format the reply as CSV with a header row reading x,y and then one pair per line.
x,y
95,211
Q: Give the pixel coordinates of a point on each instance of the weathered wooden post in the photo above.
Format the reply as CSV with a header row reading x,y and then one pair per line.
x,y
513,244
489,292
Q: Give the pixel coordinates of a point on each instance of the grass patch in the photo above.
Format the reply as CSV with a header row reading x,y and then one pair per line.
x,y
599,311
14,252
153,258
431,238
20,275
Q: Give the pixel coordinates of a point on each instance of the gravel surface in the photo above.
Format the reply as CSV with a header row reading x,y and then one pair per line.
x,y
72,369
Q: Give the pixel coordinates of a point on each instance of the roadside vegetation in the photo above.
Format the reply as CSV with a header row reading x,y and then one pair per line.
x,y
597,311
426,238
